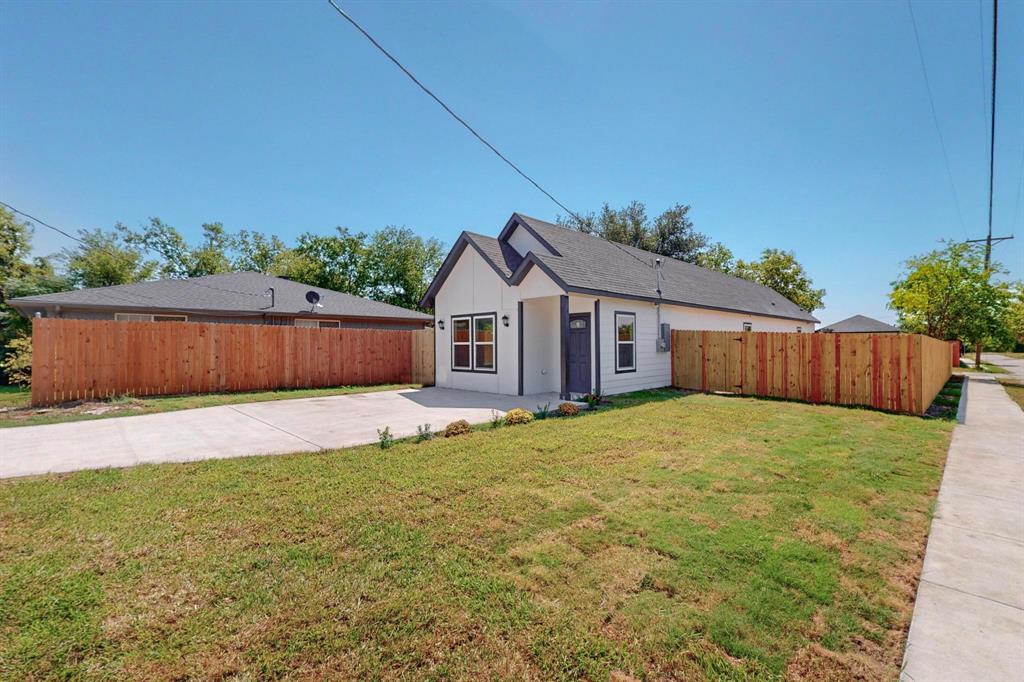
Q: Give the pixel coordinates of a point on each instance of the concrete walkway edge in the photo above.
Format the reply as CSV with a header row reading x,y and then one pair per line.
x,y
968,621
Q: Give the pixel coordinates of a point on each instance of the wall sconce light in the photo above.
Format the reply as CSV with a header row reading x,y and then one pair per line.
x,y
504,320
440,325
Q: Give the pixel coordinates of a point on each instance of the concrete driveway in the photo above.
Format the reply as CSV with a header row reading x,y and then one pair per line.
x,y
268,428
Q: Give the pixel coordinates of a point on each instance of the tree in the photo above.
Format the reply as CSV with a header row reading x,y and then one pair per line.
x,y
20,275
336,261
949,294
178,259
670,234
255,252
15,245
400,265
717,257
780,270
105,259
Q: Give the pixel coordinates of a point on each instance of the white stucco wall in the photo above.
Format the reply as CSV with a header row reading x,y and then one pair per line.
x,y
542,364
523,242
473,287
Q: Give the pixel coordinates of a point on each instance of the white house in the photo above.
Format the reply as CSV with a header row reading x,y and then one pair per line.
x,y
543,308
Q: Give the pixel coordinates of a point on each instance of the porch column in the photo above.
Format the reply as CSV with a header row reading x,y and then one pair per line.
x,y
564,345
597,346
519,326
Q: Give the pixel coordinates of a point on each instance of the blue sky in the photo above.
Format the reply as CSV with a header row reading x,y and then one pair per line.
x,y
803,126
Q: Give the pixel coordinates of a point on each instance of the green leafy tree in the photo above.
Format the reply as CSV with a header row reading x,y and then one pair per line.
x,y
400,265
335,261
670,234
780,270
949,294
20,275
104,259
179,260
256,252
15,245
717,256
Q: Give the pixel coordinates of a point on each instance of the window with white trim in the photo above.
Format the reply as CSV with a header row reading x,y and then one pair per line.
x,y
747,326
625,342
474,343
799,329
483,343
321,324
140,317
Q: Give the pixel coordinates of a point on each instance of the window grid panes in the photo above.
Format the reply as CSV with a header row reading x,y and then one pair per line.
x,y
625,342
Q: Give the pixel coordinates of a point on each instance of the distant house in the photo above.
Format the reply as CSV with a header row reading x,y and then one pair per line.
x,y
237,298
859,324
542,308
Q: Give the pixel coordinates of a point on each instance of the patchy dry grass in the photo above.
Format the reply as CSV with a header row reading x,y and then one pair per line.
x,y
20,414
669,536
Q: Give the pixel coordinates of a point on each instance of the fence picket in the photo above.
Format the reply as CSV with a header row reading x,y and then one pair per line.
x,y
75,359
897,373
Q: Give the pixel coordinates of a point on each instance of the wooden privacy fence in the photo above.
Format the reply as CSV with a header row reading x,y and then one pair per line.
x,y
80,359
894,372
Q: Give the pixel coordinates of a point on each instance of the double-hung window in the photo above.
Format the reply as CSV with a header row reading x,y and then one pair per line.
x,y
317,324
473,343
137,317
625,342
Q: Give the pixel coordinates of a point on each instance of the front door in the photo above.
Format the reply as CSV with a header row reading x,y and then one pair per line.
x,y
579,353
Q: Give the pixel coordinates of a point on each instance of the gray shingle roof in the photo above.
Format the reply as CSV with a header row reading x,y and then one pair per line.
x,y
236,292
860,323
589,262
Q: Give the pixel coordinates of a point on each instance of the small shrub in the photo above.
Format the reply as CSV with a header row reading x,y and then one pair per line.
x,y
385,437
496,419
456,428
423,433
17,362
518,416
568,409
543,411
593,399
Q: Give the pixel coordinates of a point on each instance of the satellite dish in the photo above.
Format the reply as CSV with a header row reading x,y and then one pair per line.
x,y
313,299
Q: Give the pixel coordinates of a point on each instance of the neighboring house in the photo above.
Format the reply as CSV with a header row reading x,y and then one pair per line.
x,y
859,324
543,308
237,298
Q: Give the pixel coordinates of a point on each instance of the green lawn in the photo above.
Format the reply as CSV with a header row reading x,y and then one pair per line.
x,y
1015,391
666,536
127,406
13,396
986,368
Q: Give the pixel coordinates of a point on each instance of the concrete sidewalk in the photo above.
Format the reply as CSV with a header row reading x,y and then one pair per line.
x,y
968,621
1013,366
267,428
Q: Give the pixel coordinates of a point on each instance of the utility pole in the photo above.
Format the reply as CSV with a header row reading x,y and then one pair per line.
x,y
990,240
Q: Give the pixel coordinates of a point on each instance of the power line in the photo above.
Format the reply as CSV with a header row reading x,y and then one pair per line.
x,y
990,240
40,222
105,248
992,138
448,109
981,64
935,116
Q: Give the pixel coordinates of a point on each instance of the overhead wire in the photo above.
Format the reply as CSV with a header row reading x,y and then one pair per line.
x,y
935,116
447,108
